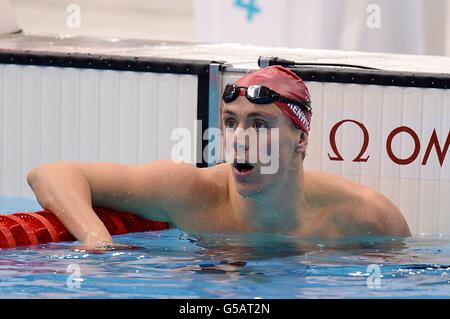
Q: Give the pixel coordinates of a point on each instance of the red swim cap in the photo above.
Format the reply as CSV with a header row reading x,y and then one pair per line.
x,y
286,83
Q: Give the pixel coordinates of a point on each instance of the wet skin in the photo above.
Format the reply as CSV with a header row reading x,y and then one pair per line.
x,y
223,198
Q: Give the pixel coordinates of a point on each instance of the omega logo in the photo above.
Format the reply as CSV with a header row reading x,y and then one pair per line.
x,y
363,157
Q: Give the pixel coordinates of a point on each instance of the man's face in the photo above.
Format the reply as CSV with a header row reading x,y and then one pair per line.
x,y
262,145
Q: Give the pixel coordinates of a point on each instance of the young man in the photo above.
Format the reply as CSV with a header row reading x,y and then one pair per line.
x,y
229,197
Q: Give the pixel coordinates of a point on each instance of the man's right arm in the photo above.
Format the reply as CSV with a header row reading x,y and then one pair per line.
x,y
159,190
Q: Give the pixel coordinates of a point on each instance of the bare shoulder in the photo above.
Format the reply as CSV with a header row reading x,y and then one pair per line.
x,y
171,188
199,205
355,209
202,185
216,179
208,186
388,219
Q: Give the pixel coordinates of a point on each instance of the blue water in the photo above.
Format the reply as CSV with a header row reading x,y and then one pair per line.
x,y
173,264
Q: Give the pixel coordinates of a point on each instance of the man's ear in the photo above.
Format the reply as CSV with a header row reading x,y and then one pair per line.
x,y
302,143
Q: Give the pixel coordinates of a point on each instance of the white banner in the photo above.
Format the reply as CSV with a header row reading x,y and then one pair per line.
x,y
397,26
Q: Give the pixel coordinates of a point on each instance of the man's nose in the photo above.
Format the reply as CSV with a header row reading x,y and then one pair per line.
x,y
240,140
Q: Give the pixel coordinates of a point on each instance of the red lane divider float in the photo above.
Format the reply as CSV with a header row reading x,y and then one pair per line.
x,y
25,228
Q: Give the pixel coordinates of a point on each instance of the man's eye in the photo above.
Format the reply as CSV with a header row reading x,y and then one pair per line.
x,y
230,123
259,125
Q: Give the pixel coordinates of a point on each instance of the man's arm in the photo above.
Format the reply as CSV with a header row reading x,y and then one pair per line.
x,y
159,190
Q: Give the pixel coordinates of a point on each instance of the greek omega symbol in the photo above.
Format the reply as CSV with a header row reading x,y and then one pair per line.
x,y
433,143
338,156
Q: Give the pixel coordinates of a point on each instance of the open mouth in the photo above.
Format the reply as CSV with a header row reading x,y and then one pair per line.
x,y
242,167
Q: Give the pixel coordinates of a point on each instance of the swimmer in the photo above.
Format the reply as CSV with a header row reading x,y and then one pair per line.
x,y
227,197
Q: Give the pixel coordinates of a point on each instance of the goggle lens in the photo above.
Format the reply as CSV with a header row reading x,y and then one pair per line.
x,y
230,93
260,94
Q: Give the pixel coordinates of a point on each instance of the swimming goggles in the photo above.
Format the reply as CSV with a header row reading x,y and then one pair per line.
x,y
259,94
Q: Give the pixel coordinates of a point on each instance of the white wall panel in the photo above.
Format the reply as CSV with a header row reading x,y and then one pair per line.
x,y
49,114
11,129
70,113
31,121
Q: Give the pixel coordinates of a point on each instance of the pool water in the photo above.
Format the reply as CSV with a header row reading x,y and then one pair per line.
x,y
173,264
